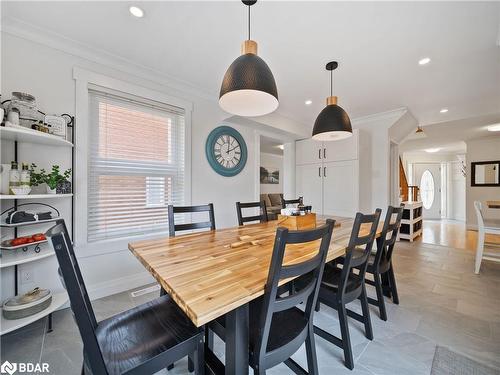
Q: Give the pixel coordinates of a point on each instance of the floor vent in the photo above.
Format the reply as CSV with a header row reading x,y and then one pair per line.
x,y
141,292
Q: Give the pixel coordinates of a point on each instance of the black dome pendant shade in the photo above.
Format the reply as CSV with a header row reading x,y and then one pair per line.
x,y
248,87
332,123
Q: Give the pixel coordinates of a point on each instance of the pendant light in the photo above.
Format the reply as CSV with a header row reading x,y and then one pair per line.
x,y
332,123
248,87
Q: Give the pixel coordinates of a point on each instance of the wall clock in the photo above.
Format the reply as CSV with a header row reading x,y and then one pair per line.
x,y
226,151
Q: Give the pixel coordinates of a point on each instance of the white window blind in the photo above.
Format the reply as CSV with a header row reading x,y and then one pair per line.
x,y
136,165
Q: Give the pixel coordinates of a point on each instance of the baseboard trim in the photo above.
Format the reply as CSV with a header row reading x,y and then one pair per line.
x,y
122,284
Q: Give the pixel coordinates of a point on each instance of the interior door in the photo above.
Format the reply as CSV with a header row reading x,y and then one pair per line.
x,y
310,185
428,178
340,188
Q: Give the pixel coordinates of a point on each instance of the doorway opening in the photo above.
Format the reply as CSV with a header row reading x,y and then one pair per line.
x,y
271,174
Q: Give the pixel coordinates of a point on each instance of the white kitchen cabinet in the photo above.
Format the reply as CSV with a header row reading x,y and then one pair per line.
x,y
327,175
310,185
345,149
308,151
341,188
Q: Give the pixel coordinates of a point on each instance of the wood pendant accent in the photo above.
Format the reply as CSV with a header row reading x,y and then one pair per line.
x,y
249,46
211,273
331,100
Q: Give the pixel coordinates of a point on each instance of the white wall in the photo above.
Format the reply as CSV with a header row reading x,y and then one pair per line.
x,y
483,149
272,162
46,72
374,157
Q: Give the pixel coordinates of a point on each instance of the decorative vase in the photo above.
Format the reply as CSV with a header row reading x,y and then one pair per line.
x,y
64,187
51,191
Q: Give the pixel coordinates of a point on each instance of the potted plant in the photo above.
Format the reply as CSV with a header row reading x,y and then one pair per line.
x,y
52,179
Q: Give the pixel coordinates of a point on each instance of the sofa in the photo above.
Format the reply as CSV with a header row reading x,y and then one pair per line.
x,y
273,204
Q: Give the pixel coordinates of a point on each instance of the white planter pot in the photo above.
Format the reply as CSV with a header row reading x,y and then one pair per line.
x,y
51,191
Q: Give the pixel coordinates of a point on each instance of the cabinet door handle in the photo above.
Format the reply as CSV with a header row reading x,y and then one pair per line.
x,y
319,153
319,171
324,171
324,153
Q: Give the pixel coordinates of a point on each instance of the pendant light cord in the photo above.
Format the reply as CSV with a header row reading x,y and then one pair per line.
x,y
249,22
331,82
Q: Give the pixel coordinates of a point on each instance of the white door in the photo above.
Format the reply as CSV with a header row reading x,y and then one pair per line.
x,y
310,185
428,178
340,188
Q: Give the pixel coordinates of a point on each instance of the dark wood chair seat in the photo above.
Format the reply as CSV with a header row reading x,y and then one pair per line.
x,y
143,333
332,277
285,327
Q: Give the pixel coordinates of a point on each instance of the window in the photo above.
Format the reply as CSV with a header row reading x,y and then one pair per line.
x,y
427,189
136,165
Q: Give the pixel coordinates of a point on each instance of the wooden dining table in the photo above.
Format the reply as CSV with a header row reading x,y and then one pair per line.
x,y
215,273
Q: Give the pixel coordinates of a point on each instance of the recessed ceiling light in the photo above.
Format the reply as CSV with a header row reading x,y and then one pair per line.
x,y
136,11
444,110
281,147
432,150
494,128
424,61
308,102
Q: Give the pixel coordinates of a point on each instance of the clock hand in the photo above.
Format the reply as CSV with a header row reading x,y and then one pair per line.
x,y
235,147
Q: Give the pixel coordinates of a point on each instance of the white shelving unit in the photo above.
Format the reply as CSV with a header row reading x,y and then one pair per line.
x,y
411,224
33,136
58,300
15,257
34,196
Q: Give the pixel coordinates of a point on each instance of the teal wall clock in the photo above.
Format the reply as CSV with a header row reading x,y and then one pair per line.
x,y
226,151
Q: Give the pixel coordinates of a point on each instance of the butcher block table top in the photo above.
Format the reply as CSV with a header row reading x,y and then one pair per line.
x,y
211,273
493,204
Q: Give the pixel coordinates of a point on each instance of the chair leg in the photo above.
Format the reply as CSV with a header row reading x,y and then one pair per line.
x,y
366,314
199,358
83,369
312,360
170,366
259,371
346,339
317,307
380,296
190,363
392,283
479,250
209,338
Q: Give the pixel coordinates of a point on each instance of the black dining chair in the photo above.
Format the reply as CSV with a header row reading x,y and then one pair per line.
x,y
277,327
284,201
142,340
172,210
342,286
380,264
262,217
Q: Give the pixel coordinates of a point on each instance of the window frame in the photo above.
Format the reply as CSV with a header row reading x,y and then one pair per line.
x,y
84,81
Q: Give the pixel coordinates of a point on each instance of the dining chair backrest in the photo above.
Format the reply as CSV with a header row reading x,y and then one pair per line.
x,y
79,300
272,301
359,240
262,217
172,210
478,207
389,235
284,201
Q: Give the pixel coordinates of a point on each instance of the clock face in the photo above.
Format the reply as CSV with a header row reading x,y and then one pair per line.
x,y
226,151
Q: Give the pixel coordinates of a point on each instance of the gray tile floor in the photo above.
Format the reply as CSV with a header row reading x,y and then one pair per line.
x,y
442,302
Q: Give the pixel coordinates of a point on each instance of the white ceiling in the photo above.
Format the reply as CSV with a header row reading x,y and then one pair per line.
x,y
451,136
377,44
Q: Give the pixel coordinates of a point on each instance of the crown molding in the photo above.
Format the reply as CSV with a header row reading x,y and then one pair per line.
x,y
21,29
394,113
